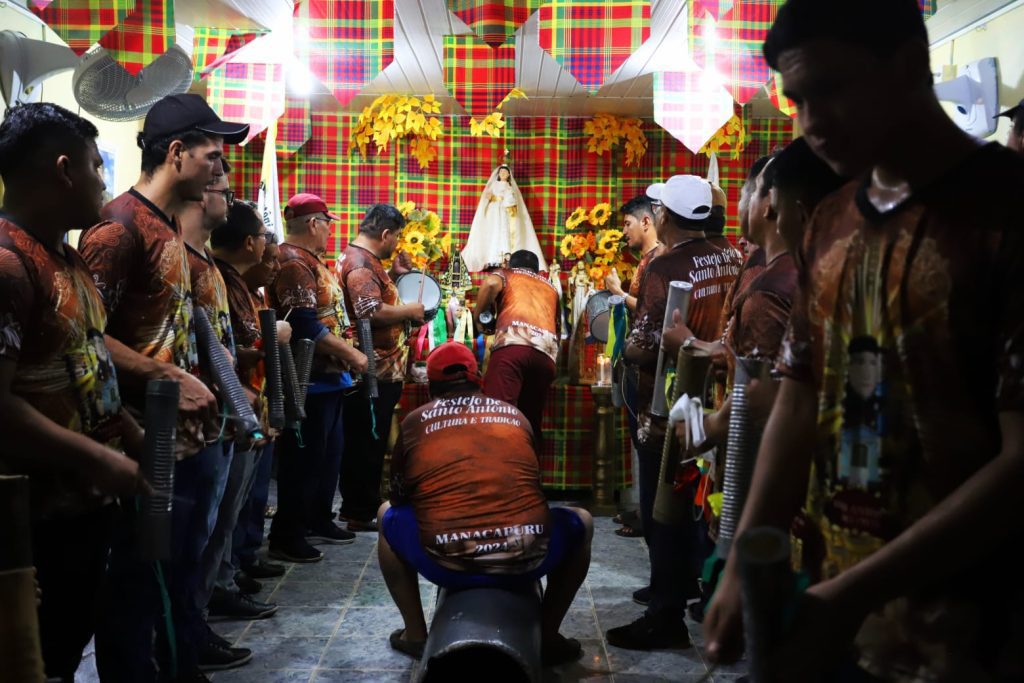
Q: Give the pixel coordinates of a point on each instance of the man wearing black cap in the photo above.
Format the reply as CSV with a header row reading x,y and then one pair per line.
x,y
1015,139
138,260
899,424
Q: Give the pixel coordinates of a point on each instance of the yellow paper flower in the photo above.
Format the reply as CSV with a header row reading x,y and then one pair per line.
x,y
607,131
599,214
513,94
577,217
391,117
405,208
433,224
597,274
566,248
446,243
609,242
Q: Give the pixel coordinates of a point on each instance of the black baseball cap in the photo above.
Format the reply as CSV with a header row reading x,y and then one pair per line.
x,y
180,113
1012,112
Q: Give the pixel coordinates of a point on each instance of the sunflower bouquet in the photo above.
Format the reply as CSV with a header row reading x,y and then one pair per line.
x,y
421,239
589,239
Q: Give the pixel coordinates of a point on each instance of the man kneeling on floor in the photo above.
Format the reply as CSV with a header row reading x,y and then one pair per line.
x,y
467,509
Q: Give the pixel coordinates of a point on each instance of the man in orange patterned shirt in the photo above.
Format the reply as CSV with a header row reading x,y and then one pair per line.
x,y
307,295
522,364
370,294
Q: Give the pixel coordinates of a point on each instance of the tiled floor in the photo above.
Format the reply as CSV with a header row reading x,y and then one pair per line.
x,y
335,617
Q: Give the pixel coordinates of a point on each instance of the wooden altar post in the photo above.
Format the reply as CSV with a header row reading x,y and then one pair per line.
x,y
604,460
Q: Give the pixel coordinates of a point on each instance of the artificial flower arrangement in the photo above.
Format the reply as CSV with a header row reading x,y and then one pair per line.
x,y
588,240
728,141
607,131
392,117
493,123
421,239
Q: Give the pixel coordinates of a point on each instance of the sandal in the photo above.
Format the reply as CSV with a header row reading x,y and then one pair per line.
x,y
627,518
560,651
407,647
628,532
356,525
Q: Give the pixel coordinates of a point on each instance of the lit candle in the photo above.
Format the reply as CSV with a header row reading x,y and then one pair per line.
x,y
604,370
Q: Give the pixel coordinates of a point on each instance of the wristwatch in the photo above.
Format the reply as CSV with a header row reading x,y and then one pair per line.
x,y
689,342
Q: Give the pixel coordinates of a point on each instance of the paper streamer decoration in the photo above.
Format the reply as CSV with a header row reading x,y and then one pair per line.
x,y
494,21
248,92
345,43
294,127
477,75
143,35
716,8
781,102
691,106
210,44
592,38
732,44
80,23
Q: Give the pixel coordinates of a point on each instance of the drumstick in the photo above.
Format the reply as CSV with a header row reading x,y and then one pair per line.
x,y
423,281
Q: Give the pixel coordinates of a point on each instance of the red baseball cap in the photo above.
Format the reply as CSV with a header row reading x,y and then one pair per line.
x,y
452,361
306,204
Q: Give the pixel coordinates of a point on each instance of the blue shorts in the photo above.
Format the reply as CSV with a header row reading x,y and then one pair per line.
x,y
402,532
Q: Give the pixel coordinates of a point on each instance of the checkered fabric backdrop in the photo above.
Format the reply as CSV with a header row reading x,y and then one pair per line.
x,y
80,23
346,43
570,435
691,106
775,94
928,7
548,158
247,92
738,37
295,126
493,21
143,35
592,38
477,75
210,44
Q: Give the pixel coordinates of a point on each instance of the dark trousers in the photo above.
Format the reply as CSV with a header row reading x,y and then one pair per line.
x,y
363,460
677,552
248,536
521,375
308,468
134,607
70,557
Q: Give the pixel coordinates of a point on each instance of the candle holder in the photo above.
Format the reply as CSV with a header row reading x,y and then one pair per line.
x,y
604,371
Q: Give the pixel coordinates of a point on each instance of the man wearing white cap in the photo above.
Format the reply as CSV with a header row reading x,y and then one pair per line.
x,y
683,209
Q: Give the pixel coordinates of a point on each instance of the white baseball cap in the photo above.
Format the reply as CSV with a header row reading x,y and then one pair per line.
x,y
688,196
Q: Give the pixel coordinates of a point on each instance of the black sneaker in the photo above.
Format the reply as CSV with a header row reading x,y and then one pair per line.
x,y
560,651
215,657
646,634
194,677
247,585
264,570
642,596
331,533
295,551
228,605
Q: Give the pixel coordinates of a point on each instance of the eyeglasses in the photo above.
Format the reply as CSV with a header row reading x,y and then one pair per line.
x,y
229,195
270,236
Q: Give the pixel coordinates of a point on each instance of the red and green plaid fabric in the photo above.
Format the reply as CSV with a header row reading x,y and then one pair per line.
x,y
781,102
210,44
691,105
80,23
548,158
928,7
592,38
570,437
294,127
345,43
477,75
716,8
142,36
493,21
247,92
731,45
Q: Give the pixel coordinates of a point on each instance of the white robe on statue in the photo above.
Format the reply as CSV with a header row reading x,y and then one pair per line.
x,y
495,230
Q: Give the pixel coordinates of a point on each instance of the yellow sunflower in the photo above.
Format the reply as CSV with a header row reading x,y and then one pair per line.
x,y
446,243
600,213
414,241
609,241
566,248
405,208
577,217
433,224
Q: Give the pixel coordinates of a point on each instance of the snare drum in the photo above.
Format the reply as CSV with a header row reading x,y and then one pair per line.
x,y
409,286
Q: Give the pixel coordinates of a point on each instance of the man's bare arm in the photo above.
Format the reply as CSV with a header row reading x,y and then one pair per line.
x,y
387,315
329,345
490,288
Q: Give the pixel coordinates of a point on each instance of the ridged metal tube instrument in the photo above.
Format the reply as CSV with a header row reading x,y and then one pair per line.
x,y
303,366
740,454
366,346
272,365
294,413
768,587
678,300
226,377
161,423
21,656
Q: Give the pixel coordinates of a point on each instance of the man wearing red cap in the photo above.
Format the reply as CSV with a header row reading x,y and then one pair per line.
x,y
307,294
466,515
138,259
